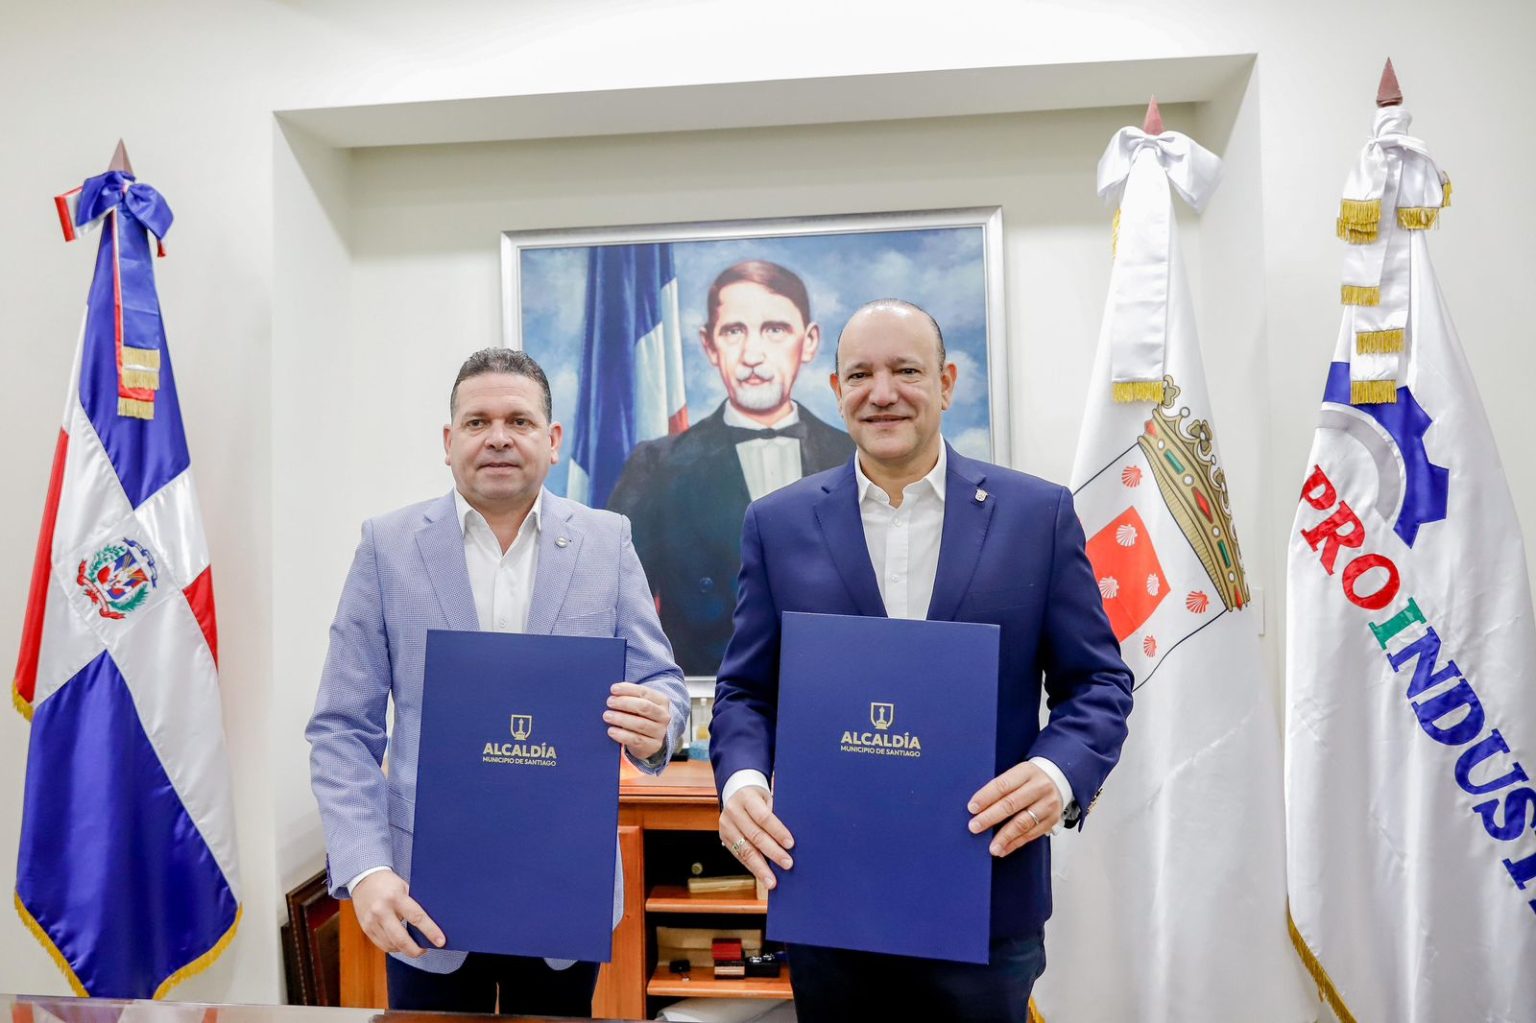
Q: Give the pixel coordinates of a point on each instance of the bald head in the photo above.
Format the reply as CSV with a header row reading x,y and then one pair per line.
x,y
899,307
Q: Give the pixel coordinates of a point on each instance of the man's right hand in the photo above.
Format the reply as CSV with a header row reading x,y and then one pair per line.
x,y
384,907
754,835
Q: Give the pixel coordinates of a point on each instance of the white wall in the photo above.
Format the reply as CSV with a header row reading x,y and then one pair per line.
x,y
306,416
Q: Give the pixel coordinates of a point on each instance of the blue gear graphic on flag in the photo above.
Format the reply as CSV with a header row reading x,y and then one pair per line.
x,y
1406,422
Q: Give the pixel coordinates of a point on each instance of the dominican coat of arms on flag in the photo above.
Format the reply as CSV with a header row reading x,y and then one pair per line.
x,y
1170,903
126,872
1411,648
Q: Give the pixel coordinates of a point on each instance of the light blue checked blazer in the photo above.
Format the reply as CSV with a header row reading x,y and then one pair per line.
x,y
408,576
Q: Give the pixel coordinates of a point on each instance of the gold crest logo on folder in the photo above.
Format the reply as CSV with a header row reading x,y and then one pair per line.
x,y
882,742
521,751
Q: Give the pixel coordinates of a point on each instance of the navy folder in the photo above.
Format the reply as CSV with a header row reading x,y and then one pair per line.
x,y
517,793
885,729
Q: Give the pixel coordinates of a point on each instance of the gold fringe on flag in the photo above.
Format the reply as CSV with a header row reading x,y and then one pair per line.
x,y
141,379
1373,392
1114,235
1356,235
23,707
1034,1013
1325,988
1417,218
1360,213
1359,294
135,409
203,961
1379,342
1138,390
141,358
36,930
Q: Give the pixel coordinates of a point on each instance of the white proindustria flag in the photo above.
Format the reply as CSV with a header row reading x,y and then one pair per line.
x,y
1170,904
1411,664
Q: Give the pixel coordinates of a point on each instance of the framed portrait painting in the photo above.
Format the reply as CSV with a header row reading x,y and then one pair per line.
x,y
689,365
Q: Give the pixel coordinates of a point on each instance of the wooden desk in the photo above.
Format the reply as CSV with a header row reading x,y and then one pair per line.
x,y
681,799
39,1009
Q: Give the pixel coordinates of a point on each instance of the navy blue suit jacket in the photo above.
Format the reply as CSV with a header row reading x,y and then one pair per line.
x,y
1015,559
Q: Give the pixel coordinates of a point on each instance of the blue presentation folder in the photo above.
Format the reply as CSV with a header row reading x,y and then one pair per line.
x,y
517,793
885,729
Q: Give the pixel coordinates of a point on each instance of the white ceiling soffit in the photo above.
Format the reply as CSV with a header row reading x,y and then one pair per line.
x,y
830,100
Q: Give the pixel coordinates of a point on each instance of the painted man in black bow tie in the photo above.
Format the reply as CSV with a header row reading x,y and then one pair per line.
x,y
686,495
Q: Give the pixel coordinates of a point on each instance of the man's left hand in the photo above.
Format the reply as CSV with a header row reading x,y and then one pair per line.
x,y
638,719
1025,797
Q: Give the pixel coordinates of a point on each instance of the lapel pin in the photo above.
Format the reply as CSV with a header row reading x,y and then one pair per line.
x,y
562,541
981,496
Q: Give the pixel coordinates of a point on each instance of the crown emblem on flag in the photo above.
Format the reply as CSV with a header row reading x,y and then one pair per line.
x,y
1194,487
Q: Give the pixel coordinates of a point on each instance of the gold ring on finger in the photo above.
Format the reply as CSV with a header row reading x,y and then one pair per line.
x,y
1032,816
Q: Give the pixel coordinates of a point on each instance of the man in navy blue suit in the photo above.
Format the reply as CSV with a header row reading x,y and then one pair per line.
x,y
909,528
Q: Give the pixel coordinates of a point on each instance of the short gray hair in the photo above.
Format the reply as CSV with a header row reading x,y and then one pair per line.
x,y
893,303
501,360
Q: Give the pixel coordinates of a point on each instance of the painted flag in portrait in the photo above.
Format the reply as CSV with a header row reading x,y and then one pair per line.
x,y
1411,646
126,872
631,376
1170,903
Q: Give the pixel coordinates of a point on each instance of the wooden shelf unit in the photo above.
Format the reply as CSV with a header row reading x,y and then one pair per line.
x,y
675,898
701,983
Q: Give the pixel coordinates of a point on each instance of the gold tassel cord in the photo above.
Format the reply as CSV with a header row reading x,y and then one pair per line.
x,y
1359,294
1379,342
203,961
1138,390
1325,988
1114,235
135,409
41,935
1417,218
1356,235
1373,392
1445,187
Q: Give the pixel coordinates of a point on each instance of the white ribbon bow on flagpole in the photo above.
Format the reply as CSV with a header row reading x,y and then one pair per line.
x,y
1135,172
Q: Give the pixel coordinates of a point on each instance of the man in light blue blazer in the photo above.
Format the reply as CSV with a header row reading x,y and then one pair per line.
x,y
498,553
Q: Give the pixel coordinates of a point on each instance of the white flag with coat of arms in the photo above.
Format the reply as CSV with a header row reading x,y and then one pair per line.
x,y
1170,903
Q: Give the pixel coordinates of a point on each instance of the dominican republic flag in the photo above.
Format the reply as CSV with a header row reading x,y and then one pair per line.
x,y
1411,646
1170,903
631,384
126,872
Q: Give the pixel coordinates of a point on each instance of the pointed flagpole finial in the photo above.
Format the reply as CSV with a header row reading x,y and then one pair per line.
x,y
1389,93
120,159
1153,123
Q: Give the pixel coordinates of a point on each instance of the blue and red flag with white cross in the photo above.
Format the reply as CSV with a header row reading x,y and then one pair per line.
x,y
126,872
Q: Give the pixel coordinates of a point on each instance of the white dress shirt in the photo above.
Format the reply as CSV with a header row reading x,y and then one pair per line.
x,y
772,462
903,542
501,582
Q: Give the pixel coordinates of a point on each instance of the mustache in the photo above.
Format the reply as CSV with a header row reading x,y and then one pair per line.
x,y
763,373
